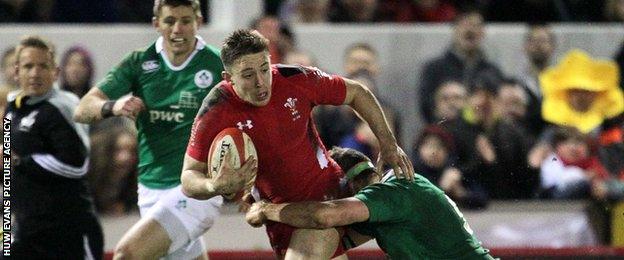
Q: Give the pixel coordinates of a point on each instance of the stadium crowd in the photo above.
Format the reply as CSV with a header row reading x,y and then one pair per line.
x,y
327,11
555,131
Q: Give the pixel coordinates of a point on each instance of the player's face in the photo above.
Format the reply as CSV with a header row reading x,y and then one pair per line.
x,y
36,72
178,26
251,78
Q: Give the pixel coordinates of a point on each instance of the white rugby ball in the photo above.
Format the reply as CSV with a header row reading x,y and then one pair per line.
x,y
240,146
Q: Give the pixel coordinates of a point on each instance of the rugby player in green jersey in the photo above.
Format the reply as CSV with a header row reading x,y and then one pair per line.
x,y
161,87
409,220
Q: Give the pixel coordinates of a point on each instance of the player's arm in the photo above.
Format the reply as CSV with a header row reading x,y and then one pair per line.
x,y
95,106
312,214
362,100
198,184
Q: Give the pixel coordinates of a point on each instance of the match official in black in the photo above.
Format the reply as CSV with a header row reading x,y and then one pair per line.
x,y
53,208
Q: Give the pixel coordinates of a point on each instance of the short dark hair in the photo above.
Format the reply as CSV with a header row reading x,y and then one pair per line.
x,y
347,158
5,56
158,4
240,43
35,42
360,45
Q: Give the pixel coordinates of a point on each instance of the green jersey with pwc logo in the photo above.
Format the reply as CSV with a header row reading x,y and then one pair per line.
x,y
172,97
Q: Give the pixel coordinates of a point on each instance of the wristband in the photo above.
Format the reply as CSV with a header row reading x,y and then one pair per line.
x,y
107,108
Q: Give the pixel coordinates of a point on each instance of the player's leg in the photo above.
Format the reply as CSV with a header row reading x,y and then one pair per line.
x,y
147,239
183,221
189,220
314,244
146,228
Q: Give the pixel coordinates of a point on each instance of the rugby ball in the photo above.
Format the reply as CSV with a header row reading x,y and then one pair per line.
x,y
240,146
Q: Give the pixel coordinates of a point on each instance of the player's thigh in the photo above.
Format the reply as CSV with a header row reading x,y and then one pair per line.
x,y
147,239
148,197
196,216
313,244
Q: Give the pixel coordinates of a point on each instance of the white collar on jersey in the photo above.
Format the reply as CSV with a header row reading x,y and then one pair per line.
x,y
159,49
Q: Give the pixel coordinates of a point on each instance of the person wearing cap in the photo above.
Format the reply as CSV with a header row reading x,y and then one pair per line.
x,y
409,220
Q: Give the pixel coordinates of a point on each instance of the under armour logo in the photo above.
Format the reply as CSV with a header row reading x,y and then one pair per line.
x,y
291,103
242,126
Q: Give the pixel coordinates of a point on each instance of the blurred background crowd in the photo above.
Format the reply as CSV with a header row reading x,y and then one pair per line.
x,y
327,11
554,131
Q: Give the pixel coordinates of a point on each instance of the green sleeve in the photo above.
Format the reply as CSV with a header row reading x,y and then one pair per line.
x,y
119,81
384,203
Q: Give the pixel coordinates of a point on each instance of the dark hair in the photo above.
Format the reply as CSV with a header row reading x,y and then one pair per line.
x,y
5,55
82,90
346,158
35,42
564,133
158,4
360,45
240,43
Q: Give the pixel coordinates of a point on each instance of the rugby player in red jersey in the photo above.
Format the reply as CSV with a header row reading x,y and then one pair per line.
x,y
273,104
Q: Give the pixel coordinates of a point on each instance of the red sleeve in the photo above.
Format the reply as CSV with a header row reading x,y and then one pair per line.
x,y
210,120
203,132
322,88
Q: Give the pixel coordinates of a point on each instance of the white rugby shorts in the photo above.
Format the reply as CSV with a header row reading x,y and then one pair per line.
x,y
185,219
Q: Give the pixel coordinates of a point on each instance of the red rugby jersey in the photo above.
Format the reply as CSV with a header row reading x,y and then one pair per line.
x,y
293,164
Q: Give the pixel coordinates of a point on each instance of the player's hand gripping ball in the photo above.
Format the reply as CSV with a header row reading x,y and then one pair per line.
x,y
240,146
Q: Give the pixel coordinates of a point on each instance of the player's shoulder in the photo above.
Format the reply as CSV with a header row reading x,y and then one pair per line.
x,y
298,73
145,58
218,96
146,52
290,71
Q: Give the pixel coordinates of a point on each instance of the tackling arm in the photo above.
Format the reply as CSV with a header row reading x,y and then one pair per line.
x,y
317,215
